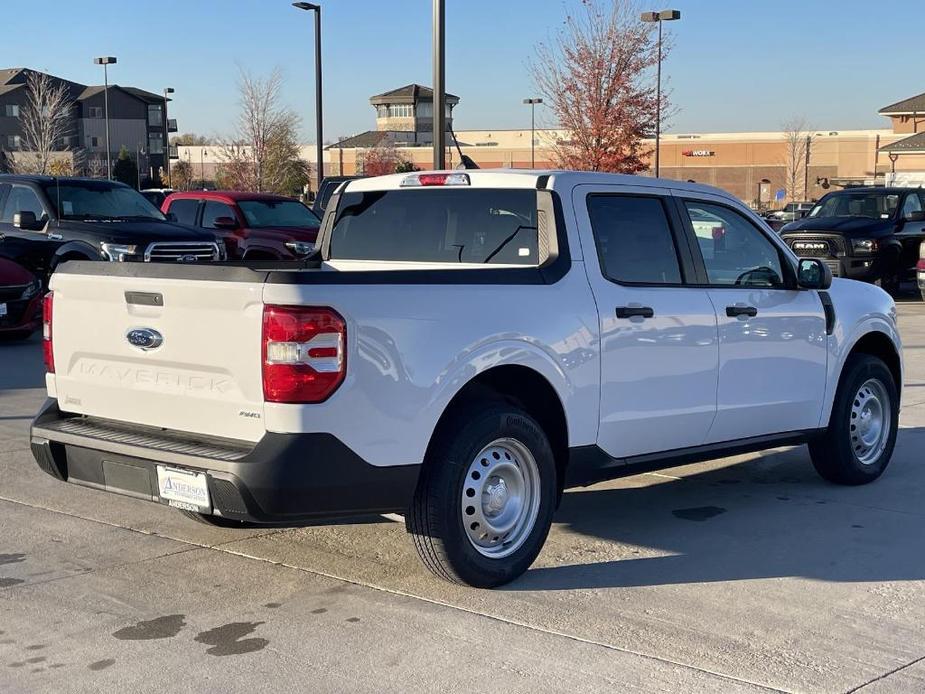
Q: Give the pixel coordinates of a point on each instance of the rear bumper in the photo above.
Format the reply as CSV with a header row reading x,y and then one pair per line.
x,y
284,478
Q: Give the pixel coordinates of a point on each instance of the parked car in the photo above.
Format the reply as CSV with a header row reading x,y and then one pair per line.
x,y
868,234
20,301
46,221
253,226
790,212
156,196
467,345
328,185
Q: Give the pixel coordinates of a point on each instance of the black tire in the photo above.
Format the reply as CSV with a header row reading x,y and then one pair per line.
x,y
436,517
216,521
835,453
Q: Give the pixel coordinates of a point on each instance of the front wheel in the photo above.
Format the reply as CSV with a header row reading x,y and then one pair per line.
x,y
857,445
484,503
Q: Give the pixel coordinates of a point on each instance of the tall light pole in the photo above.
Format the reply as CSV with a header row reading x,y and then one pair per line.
x,y
319,138
659,17
532,103
167,90
439,51
105,61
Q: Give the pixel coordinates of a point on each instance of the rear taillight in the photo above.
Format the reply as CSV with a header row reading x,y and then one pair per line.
x,y
47,345
304,353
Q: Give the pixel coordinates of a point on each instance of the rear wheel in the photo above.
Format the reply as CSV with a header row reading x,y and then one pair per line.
x,y
859,440
486,496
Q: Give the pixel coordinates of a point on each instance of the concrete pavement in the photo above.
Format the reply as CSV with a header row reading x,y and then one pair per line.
x,y
742,574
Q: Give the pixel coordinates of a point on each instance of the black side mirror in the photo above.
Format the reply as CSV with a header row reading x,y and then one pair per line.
x,y
171,217
917,216
812,273
27,221
225,223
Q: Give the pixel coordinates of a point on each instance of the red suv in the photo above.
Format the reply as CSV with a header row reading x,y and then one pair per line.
x,y
20,301
255,226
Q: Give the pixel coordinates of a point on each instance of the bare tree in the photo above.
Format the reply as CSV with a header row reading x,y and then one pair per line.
x,y
798,145
263,154
596,75
47,123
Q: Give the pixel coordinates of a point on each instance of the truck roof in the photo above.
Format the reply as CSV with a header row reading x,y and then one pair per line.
x,y
533,178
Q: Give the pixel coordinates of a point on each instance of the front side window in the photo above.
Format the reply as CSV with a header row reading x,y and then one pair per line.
x,y
735,252
634,240
212,211
22,199
437,225
184,211
911,204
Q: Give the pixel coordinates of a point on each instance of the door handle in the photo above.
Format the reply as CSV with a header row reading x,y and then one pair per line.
x,y
54,237
737,311
634,311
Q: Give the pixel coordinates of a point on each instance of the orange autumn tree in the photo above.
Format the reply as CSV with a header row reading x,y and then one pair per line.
x,y
597,75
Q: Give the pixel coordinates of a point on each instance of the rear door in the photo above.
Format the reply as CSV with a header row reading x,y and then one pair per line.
x,y
204,377
658,336
772,336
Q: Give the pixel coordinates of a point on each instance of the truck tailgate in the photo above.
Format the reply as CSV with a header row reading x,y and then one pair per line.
x,y
205,375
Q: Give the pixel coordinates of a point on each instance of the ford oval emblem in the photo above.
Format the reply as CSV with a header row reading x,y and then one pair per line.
x,y
144,338
187,259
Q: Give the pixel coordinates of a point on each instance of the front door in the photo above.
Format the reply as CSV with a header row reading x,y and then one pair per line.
x,y
658,336
772,336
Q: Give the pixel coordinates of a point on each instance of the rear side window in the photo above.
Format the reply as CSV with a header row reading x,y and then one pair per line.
x,y
444,225
184,210
634,240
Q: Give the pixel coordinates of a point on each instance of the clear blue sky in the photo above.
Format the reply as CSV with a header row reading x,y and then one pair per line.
x,y
736,65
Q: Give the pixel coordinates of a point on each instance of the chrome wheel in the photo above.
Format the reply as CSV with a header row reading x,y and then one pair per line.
x,y
870,422
500,498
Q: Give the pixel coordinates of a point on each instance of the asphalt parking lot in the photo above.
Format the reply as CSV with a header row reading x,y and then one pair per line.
x,y
743,574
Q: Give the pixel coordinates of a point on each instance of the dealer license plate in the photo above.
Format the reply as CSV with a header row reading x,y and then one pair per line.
x,y
183,489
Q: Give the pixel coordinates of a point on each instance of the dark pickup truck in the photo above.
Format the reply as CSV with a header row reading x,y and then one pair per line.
x,y
45,221
867,234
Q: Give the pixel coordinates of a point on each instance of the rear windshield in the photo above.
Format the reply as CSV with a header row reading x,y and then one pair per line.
x,y
444,225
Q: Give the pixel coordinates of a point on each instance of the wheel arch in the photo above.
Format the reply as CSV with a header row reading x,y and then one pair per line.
x,y
878,344
524,387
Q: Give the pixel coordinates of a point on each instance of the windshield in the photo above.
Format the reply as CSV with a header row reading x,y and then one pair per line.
x,y
99,200
443,225
875,205
277,213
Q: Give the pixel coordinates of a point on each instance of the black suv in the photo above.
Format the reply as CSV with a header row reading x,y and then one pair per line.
x,y
45,221
868,234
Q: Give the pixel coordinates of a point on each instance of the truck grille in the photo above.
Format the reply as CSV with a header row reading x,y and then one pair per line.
x,y
816,245
181,252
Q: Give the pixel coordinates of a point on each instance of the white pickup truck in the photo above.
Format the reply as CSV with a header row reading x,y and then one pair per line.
x,y
466,346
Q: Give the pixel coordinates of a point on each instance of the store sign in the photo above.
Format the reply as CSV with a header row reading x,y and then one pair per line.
x,y
698,153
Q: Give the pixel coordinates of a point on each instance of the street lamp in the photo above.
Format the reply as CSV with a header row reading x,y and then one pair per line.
x,y
532,103
167,90
319,140
105,61
659,17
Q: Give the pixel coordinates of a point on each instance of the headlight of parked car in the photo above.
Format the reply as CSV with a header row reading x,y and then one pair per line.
x,y
117,252
300,247
864,245
34,289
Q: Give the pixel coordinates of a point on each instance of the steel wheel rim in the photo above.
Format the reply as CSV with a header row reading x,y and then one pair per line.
x,y
870,422
500,498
